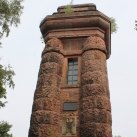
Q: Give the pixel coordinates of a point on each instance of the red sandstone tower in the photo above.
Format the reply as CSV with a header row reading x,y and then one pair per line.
x,y
72,94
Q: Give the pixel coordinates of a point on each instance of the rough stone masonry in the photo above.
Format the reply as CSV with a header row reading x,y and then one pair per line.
x,y
72,95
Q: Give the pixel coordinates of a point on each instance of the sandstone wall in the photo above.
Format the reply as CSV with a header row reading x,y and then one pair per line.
x,y
45,118
95,112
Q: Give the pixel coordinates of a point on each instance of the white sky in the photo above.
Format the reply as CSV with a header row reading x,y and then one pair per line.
x,y
22,49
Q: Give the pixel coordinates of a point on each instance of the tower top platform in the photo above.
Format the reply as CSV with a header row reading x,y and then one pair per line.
x,y
79,8
85,21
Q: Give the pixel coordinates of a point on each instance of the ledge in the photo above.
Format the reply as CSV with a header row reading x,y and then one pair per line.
x,y
70,86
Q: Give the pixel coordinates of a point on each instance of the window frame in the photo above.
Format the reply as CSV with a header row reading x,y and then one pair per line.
x,y
65,72
72,73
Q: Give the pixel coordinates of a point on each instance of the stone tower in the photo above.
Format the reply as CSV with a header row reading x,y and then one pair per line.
x,y
72,95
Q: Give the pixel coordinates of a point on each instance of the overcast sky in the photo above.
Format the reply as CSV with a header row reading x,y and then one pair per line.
x,y
22,49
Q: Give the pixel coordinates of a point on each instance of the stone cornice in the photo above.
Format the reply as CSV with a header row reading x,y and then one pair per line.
x,y
62,25
74,33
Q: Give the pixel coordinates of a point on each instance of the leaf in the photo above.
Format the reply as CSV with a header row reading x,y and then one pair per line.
x,y
10,12
114,26
6,79
4,129
68,9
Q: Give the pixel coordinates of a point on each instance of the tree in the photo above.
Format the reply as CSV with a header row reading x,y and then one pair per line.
x,y
6,79
10,12
4,129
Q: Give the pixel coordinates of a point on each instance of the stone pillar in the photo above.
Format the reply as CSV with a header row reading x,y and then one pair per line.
x,y
45,116
95,114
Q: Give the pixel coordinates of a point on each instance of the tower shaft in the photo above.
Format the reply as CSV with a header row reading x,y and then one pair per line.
x,y
72,96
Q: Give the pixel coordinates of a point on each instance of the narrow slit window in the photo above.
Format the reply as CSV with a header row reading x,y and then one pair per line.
x,y
72,71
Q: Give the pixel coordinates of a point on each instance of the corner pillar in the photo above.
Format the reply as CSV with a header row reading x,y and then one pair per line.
x,y
45,118
95,114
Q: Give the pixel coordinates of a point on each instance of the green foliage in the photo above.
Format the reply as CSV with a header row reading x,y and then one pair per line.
x,y
68,9
114,26
2,95
10,12
4,129
6,79
135,25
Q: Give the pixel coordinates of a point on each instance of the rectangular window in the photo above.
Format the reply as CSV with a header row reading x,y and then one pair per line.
x,y
72,71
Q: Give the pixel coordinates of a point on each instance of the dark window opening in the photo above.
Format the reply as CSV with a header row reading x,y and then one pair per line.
x,y
72,71
70,106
